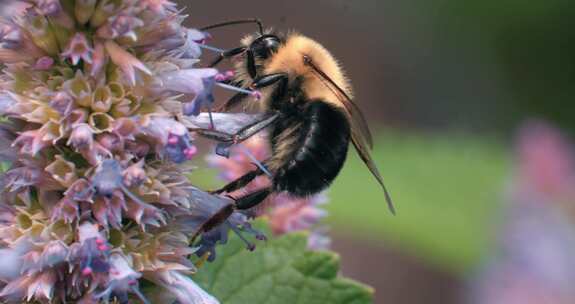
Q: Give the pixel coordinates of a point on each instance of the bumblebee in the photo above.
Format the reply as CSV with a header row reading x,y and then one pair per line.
x,y
311,115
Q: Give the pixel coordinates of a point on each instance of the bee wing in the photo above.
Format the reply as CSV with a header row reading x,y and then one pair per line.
x,y
358,122
360,133
229,123
363,152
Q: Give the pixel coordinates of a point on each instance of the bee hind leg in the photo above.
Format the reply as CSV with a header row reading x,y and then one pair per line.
x,y
253,199
240,182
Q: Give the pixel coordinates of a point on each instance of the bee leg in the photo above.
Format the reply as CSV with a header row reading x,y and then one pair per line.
x,y
227,54
243,134
281,79
252,129
270,79
240,182
252,199
217,219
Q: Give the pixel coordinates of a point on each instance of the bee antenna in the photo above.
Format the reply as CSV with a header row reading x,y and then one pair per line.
x,y
235,22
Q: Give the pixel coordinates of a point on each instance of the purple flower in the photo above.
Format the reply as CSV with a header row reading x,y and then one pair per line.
x,y
97,195
31,142
122,25
126,61
48,7
546,160
108,178
44,63
13,8
214,229
532,260
160,6
191,48
82,136
135,174
122,280
16,45
79,48
92,250
184,289
199,82
179,148
203,98
161,128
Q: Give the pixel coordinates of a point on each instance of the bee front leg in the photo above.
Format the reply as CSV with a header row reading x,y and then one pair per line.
x,y
227,54
258,83
243,134
270,79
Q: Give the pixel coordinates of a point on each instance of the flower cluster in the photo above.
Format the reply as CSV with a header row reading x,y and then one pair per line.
x,y
96,201
533,260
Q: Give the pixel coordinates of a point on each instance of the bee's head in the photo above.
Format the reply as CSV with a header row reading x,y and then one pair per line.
x,y
265,45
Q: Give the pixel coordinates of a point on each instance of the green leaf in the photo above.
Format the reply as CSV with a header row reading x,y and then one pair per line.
x,y
279,271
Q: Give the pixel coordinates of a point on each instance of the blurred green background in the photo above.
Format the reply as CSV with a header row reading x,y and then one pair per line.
x,y
444,83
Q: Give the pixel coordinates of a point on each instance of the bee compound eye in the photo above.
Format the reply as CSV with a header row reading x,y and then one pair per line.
x,y
265,46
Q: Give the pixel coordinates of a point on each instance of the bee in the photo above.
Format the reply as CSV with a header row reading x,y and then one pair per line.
x,y
311,115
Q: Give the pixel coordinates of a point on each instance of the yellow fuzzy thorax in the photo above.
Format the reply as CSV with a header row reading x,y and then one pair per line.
x,y
290,59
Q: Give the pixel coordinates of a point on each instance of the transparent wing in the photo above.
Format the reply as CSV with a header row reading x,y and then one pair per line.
x,y
229,123
361,149
358,121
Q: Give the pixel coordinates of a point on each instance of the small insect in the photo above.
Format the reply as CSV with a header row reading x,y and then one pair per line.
x,y
310,114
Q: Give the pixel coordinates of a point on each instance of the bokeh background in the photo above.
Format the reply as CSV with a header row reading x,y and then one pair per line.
x,y
445,84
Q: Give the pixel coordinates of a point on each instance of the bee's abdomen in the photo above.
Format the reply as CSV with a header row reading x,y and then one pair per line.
x,y
317,152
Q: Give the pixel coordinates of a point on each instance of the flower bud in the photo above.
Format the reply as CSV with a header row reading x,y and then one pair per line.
x,y
82,136
78,48
125,128
120,26
138,148
110,141
62,102
44,63
135,174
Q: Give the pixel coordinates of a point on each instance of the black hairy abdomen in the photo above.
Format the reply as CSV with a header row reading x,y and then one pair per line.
x,y
320,147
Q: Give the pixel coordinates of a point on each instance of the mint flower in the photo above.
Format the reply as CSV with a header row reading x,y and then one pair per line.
x,y
532,262
78,49
97,200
